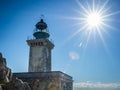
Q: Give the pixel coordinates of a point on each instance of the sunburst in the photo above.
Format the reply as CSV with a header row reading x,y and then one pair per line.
x,y
94,18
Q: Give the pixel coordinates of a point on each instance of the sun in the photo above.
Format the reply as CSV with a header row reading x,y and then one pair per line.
x,y
94,16
94,20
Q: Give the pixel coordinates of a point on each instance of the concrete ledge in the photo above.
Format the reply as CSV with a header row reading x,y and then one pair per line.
x,y
37,75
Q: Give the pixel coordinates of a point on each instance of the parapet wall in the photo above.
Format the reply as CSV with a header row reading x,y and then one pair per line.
x,y
54,80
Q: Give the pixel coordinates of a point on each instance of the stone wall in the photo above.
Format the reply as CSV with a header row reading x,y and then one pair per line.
x,y
54,80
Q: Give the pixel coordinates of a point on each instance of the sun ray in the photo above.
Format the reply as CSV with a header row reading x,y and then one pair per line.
x,y
103,40
88,14
102,9
93,6
111,14
94,19
78,31
88,37
83,7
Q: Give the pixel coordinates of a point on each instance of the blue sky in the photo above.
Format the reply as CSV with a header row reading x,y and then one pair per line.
x,y
96,62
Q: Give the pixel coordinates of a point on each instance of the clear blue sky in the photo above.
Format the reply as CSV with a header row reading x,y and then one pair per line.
x,y
95,62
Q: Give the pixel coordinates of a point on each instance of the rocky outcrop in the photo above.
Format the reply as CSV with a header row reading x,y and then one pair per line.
x,y
1,88
7,82
5,72
16,84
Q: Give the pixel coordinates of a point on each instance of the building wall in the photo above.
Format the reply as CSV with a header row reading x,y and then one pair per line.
x,y
53,83
54,80
40,55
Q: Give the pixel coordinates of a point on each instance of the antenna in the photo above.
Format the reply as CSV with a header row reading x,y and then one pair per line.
x,y
42,16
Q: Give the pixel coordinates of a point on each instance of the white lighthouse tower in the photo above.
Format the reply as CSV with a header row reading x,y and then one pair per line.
x,y
40,49
39,75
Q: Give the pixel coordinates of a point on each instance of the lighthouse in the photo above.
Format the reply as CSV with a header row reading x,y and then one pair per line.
x,y
39,75
40,49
